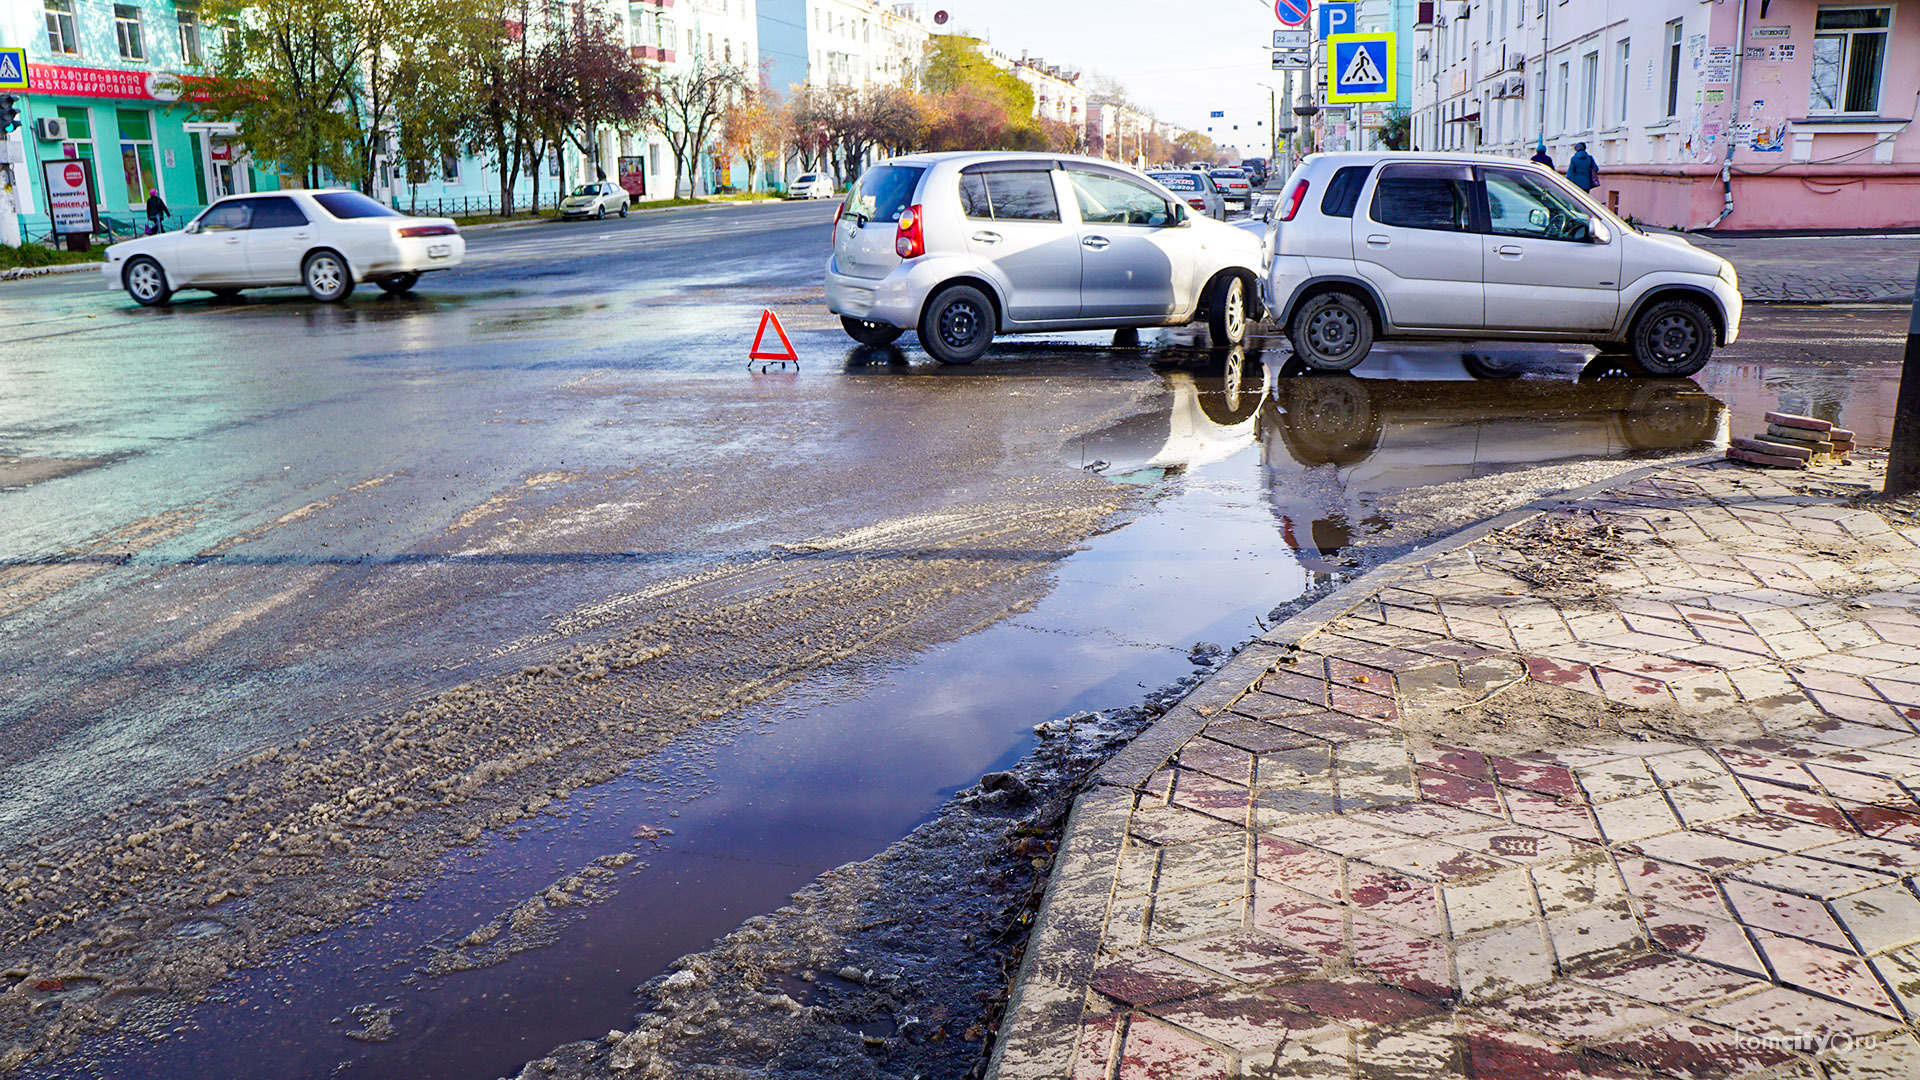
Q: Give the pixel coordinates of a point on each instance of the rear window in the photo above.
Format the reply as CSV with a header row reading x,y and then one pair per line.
x,y
347,205
1229,174
884,193
1177,181
1009,196
1343,191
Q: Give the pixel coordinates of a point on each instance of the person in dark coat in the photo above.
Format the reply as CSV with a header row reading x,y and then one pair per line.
x,y
156,211
1541,157
1582,169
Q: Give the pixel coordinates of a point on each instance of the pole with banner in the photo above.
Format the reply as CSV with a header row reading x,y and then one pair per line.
x,y
70,199
1903,459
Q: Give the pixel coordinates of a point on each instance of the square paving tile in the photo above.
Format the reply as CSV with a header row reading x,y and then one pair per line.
x,y
1249,956
1635,818
1569,884
1355,1002
1563,817
1249,1021
1830,973
1881,919
1435,861
1298,920
1153,1051
1487,902
1401,958
1809,877
1702,937
1569,1011
1693,1050
1781,1012
1503,961
1671,981
1785,913
1395,897
1310,871
1144,976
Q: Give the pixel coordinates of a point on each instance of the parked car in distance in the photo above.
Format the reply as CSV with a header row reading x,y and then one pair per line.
x,y
1196,188
1234,186
959,247
594,200
1472,246
811,186
324,240
1256,170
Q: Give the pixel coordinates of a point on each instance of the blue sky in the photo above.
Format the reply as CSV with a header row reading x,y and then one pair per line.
x,y
1181,60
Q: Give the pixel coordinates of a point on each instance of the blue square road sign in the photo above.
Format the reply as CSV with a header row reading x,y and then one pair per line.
x,y
1360,68
13,69
1337,19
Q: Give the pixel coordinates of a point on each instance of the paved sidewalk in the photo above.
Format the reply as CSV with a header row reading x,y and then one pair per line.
x,y
1820,269
1625,788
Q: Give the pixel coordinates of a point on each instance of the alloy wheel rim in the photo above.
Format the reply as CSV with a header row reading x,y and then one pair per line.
x,y
1236,310
145,279
960,324
324,275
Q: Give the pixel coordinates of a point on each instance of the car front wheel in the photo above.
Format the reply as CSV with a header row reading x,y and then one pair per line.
x,y
871,333
326,276
957,325
1672,338
1331,332
1227,311
600,212
146,282
623,209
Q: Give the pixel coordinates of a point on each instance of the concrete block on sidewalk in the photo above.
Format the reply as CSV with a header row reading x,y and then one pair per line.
x,y
1754,458
1817,440
1794,420
1780,447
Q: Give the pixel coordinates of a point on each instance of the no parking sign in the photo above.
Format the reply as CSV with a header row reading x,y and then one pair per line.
x,y
1291,12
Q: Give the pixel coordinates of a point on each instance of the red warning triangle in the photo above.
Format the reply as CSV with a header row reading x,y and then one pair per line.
x,y
767,316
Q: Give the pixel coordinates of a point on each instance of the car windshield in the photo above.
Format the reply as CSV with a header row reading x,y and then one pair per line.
x,y
1177,181
346,205
883,193
587,189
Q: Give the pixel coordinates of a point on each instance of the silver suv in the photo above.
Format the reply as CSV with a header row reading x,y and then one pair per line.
x,y
960,247
1375,245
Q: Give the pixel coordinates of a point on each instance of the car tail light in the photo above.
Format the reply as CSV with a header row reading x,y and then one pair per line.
x,y
909,242
430,230
1197,204
1294,198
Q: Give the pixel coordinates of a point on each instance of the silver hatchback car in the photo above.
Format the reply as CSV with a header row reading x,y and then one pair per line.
x,y
1473,246
959,247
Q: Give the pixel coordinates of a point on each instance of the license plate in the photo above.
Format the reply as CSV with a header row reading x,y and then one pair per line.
x,y
439,251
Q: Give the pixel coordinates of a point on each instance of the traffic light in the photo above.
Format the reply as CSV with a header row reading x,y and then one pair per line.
x,y
9,116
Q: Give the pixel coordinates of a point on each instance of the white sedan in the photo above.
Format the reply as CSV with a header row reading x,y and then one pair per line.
x,y
324,240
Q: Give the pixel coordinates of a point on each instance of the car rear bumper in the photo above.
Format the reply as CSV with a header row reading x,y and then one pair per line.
x,y
416,255
895,299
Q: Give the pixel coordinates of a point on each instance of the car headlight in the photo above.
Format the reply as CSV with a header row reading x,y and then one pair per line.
x,y
1727,274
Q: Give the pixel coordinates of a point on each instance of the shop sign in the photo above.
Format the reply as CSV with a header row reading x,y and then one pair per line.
x,y
69,194
103,82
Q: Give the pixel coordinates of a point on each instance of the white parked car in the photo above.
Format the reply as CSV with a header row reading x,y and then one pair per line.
x,y
811,186
1472,246
595,199
1235,186
1195,187
324,240
959,247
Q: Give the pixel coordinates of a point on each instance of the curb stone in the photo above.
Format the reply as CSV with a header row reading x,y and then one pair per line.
x,y
20,272
1045,1002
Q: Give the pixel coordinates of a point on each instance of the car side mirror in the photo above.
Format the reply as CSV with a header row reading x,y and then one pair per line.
x,y
193,227
1600,234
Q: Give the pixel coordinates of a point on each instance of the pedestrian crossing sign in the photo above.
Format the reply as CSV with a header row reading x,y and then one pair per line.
x,y
1360,67
13,69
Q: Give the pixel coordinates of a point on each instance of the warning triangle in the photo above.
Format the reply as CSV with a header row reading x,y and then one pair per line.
x,y
9,67
768,317
1361,70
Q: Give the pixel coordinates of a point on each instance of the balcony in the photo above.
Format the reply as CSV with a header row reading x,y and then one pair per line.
x,y
652,52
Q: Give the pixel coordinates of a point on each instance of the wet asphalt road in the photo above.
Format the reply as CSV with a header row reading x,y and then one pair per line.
x,y
229,523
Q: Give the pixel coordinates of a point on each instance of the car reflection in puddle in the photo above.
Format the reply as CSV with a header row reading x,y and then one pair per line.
x,y
1331,446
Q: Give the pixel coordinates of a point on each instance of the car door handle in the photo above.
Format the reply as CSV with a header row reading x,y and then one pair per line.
x,y
1510,250
987,237
1097,243
301,235
1376,240
233,239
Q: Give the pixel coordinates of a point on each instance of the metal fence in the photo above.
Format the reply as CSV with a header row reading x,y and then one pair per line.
x,y
479,205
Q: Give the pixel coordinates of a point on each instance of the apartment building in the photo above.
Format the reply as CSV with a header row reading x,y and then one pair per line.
x,y
1057,94
1739,114
676,36
855,43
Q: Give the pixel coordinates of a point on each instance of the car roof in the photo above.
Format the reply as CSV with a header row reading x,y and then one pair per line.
x,y
1374,157
975,157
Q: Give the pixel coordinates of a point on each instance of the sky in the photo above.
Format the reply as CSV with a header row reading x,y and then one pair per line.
x,y
1180,60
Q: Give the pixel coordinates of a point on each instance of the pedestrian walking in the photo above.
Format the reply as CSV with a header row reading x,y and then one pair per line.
x,y
1582,169
156,211
1541,157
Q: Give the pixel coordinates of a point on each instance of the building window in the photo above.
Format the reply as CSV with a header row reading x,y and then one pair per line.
x,y
1673,69
449,168
1589,89
1566,94
189,35
126,29
1623,67
1849,50
136,155
62,40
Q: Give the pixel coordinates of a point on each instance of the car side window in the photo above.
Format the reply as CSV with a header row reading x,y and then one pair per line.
x,y
280,213
1111,200
1012,195
228,216
1343,191
1435,197
1520,204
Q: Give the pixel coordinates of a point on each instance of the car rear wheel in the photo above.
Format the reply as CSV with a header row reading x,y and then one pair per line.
x,y
1331,332
957,325
326,276
1672,338
866,332
1227,311
396,284
146,282
225,295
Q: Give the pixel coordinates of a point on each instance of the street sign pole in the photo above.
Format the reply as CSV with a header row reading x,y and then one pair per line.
x,y
1903,461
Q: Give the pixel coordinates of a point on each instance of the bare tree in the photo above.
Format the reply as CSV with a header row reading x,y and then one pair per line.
x,y
688,110
588,78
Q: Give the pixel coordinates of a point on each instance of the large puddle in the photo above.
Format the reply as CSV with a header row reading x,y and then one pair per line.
x,y
1256,481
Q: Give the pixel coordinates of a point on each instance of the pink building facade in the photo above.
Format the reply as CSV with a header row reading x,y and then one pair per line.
x,y
1730,114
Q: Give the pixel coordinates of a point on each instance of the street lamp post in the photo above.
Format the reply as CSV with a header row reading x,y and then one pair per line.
x,y
1273,124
